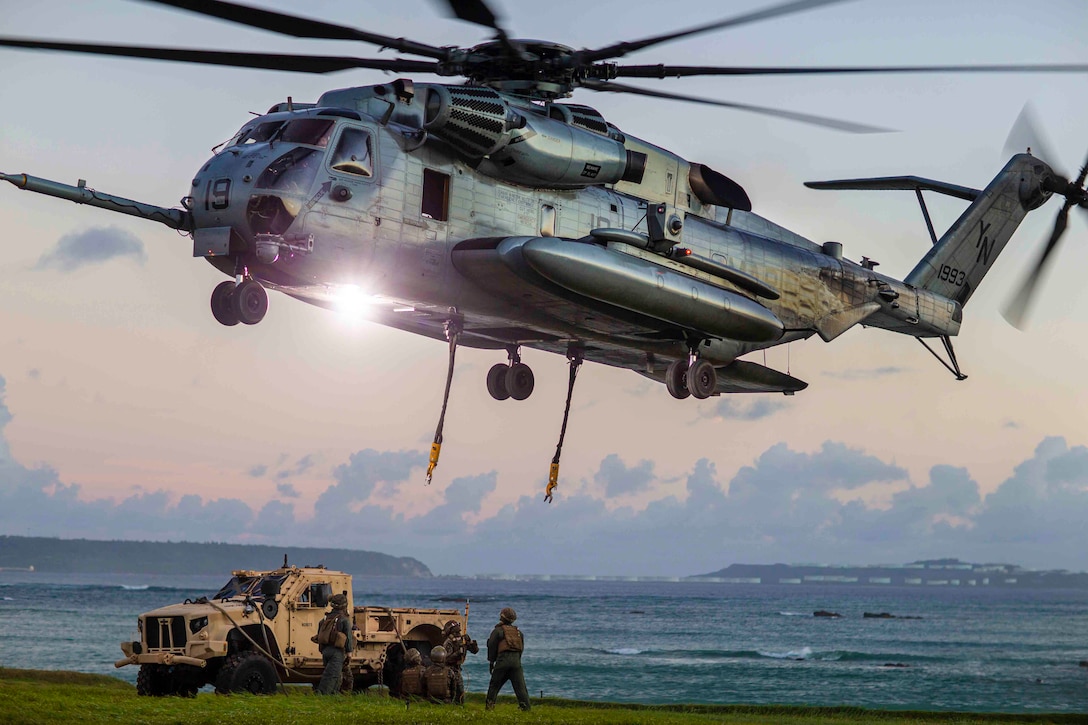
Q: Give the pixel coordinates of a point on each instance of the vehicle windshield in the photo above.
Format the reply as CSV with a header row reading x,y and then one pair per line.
x,y
246,586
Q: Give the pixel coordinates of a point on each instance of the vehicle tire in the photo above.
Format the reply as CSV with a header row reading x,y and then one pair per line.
x,y
247,672
270,608
702,379
149,681
676,379
250,302
496,381
223,304
520,381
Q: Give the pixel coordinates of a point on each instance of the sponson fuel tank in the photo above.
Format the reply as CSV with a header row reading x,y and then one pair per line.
x,y
650,289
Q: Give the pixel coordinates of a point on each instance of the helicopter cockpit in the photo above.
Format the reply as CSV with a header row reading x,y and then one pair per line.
x,y
274,161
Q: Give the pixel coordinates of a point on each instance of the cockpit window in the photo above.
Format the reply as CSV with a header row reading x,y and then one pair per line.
x,y
352,154
255,134
293,172
310,131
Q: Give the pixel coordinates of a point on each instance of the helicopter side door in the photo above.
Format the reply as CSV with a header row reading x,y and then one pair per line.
x,y
343,213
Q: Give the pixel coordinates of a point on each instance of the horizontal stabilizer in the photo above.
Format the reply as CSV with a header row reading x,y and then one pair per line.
x,y
899,183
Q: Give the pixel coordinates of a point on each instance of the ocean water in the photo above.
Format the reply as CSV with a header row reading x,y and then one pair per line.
x,y
982,650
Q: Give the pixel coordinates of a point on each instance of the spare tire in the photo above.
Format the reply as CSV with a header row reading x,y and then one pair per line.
x,y
270,608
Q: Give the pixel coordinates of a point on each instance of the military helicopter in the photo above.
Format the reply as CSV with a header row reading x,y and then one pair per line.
x,y
495,215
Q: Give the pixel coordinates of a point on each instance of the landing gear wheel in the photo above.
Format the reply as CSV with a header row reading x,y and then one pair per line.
x,y
247,672
676,379
702,379
223,304
496,381
520,381
250,302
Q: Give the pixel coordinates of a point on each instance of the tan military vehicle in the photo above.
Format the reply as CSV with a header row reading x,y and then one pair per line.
x,y
258,630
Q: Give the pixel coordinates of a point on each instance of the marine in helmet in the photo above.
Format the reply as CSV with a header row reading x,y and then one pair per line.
x,y
334,638
411,679
504,648
457,646
438,678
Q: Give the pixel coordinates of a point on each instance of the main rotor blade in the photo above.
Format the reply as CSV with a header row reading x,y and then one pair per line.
x,y
1016,312
477,11
298,27
847,126
678,71
623,48
270,61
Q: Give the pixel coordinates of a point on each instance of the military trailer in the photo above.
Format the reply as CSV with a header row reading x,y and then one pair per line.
x,y
259,630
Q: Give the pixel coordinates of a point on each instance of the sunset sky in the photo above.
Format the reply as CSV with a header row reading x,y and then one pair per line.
x,y
127,412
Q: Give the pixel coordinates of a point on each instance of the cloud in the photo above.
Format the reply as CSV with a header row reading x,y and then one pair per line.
x,y
866,373
92,246
257,471
358,478
618,479
732,407
287,489
784,506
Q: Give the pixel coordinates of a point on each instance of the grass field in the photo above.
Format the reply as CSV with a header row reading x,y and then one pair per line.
x,y
33,697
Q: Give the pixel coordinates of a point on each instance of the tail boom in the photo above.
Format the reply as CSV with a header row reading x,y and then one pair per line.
x,y
955,266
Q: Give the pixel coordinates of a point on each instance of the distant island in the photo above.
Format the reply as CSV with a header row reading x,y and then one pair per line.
x,y
929,572
32,553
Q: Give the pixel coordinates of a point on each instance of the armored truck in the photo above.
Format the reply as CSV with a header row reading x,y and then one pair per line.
x,y
259,630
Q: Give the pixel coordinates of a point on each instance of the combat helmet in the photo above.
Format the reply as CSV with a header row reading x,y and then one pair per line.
x,y
413,658
508,615
452,627
438,655
338,601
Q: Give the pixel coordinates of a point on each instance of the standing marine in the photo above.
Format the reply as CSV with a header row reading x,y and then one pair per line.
x,y
457,646
334,638
504,648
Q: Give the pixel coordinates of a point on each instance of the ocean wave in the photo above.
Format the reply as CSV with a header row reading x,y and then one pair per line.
x,y
624,651
802,654
135,587
8,599
795,614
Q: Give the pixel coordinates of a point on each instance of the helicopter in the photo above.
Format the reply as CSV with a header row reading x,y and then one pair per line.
x,y
493,214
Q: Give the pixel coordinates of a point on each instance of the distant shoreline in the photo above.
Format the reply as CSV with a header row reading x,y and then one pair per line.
x,y
86,556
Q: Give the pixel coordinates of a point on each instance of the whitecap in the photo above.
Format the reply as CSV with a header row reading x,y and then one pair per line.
x,y
624,651
801,654
7,599
134,588
795,614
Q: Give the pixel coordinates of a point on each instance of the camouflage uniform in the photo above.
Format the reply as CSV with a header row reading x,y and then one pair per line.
x,y
411,678
439,677
504,648
457,646
334,657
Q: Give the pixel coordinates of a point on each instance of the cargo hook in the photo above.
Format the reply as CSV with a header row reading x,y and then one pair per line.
x,y
454,326
575,355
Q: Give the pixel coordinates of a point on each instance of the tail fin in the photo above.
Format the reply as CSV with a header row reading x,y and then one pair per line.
x,y
955,266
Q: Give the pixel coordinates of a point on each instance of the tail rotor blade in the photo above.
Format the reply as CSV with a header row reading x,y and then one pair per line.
x,y
1016,311
1025,134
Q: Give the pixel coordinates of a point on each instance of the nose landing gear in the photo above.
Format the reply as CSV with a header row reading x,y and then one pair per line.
x,y
511,380
234,302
